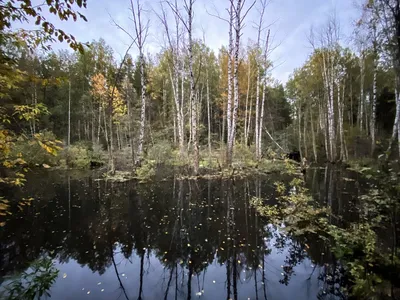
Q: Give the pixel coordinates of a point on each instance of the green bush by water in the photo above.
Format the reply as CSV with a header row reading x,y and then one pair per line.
x,y
83,155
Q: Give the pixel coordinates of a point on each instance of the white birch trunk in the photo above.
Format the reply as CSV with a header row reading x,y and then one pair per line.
x,y
69,113
246,133
193,101
361,103
313,138
229,102
142,111
373,109
235,80
257,121
341,109
208,118
261,120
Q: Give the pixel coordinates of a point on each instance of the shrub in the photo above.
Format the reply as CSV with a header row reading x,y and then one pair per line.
x,y
33,153
81,155
146,170
160,152
243,155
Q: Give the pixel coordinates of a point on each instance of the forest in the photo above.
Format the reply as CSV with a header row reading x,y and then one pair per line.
x,y
191,104
190,131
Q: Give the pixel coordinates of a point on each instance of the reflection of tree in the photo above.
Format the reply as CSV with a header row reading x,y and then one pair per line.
x,y
185,224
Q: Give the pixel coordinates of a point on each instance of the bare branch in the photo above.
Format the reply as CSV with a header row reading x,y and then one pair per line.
x,y
217,15
176,12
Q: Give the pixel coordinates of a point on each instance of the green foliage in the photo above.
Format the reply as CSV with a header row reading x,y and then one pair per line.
x,y
21,11
243,155
160,152
146,171
356,245
32,283
30,112
81,156
35,152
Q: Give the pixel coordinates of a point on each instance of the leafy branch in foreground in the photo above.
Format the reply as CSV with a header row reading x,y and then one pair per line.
x,y
33,283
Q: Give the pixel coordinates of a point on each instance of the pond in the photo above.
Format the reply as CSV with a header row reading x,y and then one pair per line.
x,y
174,239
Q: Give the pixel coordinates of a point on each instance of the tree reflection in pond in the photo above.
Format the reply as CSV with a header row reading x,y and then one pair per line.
x,y
167,240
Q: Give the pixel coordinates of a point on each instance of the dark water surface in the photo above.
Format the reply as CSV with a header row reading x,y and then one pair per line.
x,y
167,240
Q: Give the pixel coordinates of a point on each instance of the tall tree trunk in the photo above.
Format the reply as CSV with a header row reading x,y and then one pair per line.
x,y
208,119
99,125
111,140
141,35
305,153
250,117
69,113
373,107
35,104
341,109
235,80
299,127
230,80
260,128
142,111
246,134
178,111
360,115
265,64
257,120
315,152
193,92
130,118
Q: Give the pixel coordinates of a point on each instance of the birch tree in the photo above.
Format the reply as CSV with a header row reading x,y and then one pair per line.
x,y
188,24
265,66
141,33
388,12
237,26
175,70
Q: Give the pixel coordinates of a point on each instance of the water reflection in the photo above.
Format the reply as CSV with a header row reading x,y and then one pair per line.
x,y
170,240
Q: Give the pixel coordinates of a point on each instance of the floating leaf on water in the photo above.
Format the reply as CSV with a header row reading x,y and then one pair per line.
x,y
102,290
65,275
98,283
213,281
88,292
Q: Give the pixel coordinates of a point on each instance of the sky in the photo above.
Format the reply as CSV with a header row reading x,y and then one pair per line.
x,y
290,22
